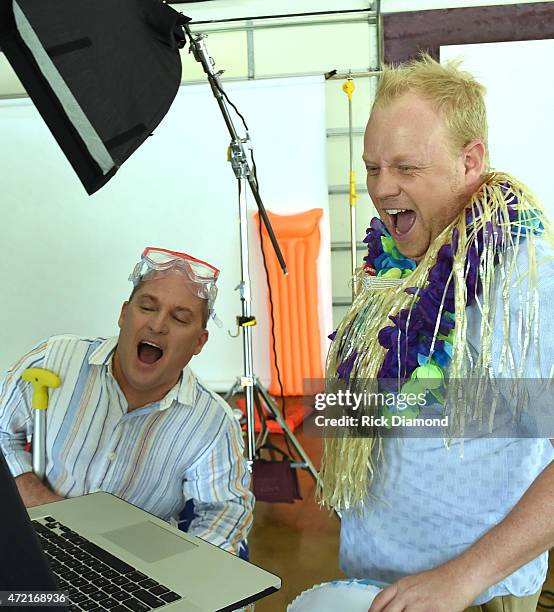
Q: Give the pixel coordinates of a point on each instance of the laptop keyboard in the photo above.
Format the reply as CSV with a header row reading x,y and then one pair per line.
x,y
94,578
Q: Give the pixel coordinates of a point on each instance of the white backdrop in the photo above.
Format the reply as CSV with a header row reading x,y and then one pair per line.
x,y
67,256
520,95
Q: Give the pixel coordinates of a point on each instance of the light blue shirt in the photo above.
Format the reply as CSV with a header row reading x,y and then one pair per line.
x,y
186,446
432,501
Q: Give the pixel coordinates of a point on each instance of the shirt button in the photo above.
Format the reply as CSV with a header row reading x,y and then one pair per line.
x,y
111,456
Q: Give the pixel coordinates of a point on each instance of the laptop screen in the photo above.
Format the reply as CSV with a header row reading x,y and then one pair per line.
x,y
23,565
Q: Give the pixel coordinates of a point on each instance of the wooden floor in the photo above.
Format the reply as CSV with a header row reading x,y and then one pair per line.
x,y
299,542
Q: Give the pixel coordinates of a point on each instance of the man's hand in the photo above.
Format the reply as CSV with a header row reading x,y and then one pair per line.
x,y
33,492
438,590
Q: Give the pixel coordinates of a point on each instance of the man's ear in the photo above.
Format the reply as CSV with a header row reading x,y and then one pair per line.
x,y
122,314
202,339
474,158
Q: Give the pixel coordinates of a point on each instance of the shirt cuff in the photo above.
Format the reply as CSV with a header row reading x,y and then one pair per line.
x,y
19,462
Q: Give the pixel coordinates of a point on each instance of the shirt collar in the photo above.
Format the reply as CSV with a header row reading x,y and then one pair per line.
x,y
104,352
183,391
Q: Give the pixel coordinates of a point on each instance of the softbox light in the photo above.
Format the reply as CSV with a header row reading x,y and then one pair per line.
x,y
102,73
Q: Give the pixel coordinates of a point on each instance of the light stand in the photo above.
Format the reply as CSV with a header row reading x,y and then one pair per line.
x,y
248,383
348,88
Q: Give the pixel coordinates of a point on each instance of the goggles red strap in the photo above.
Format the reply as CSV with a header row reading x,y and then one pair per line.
x,y
185,256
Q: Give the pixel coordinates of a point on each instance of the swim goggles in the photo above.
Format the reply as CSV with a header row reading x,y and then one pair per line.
x,y
200,276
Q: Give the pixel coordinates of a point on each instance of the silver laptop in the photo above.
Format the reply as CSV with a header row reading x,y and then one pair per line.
x,y
110,555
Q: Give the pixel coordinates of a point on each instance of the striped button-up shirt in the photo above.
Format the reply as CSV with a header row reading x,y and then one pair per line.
x,y
186,446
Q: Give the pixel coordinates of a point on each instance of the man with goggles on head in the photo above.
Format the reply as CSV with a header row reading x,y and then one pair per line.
x,y
130,417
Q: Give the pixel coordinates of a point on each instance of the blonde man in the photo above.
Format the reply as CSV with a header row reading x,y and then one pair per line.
x,y
448,526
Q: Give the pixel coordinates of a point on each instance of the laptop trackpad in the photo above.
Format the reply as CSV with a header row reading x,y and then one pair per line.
x,y
149,541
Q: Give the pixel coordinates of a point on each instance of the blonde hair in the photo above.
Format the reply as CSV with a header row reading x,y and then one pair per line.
x,y
456,94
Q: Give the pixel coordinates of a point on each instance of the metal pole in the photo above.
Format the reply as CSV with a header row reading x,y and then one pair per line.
x,y
380,38
238,155
39,443
246,381
348,88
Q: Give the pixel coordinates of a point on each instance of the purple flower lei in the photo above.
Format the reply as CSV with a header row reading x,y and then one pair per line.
x,y
409,340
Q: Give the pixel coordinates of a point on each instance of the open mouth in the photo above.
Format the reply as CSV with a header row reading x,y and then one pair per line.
x,y
403,219
148,352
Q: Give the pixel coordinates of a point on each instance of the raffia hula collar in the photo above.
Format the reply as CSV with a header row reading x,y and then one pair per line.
x,y
413,335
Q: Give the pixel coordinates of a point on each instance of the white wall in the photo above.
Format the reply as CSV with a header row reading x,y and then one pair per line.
x,y
519,107
67,256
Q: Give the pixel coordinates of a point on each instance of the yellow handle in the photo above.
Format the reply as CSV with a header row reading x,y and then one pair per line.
x,y
41,380
348,88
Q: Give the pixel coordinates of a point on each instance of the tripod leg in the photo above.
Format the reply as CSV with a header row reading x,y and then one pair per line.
x,y
264,432
233,390
279,418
